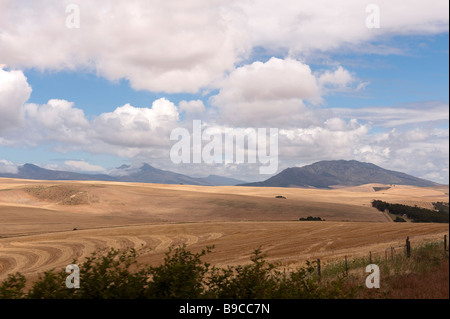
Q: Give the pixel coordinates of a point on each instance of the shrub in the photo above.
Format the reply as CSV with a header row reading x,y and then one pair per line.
x,y
13,286
311,218
183,275
180,276
244,282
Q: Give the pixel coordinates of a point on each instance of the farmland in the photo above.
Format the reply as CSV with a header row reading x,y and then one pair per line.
x,y
45,225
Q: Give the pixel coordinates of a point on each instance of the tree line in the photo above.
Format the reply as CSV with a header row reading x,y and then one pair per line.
x,y
414,213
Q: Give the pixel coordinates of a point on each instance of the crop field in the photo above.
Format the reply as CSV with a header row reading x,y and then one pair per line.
x,y
46,225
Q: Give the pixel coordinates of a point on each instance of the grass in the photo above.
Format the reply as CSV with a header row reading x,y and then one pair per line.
x,y
184,275
424,275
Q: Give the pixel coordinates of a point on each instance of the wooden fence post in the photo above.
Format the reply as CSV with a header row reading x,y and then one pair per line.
x,y
408,247
445,242
346,267
318,268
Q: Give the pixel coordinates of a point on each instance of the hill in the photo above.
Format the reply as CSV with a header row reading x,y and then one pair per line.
x,y
325,174
125,173
30,171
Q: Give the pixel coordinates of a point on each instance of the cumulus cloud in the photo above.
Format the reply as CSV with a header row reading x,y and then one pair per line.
x,y
271,92
8,167
57,120
334,139
339,80
194,106
281,92
171,46
274,80
137,127
14,92
190,45
186,45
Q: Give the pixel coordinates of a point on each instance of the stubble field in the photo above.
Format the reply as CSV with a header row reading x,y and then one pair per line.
x,y
46,224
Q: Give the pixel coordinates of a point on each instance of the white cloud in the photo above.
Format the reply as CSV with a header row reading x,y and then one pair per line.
x,y
194,106
280,92
14,92
339,80
420,113
83,166
171,46
277,79
186,45
137,127
271,92
8,167
56,121
334,139
306,26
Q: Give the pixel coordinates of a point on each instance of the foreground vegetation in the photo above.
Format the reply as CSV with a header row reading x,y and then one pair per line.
x,y
183,275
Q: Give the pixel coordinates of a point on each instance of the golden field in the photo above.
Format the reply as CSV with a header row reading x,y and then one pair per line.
x,y
48,224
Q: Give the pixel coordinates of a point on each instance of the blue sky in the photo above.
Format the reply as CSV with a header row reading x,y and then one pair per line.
x,y
379,95
420,72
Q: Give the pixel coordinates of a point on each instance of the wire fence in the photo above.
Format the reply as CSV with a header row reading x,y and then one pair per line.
x,y
388,255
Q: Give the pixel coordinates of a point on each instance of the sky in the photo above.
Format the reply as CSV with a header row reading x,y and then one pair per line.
x,y
87,86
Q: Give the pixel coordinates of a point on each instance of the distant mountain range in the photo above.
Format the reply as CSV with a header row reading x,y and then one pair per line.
x,y
144,174
325,174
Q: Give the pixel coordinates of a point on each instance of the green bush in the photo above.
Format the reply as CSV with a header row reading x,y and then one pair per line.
x,y
182,275
13,287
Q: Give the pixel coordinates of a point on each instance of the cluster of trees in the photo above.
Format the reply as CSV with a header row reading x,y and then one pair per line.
x,y
182,275
414,213
310,218
441,207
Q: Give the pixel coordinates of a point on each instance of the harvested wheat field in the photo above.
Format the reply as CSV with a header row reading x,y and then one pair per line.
x,y
46,225
290,243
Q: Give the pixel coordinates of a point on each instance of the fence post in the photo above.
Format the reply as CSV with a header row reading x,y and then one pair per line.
x,y
346,267
370,257
408,247
318,268
445,242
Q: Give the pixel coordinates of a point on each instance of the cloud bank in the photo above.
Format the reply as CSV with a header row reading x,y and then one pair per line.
x,y
306,132
188,45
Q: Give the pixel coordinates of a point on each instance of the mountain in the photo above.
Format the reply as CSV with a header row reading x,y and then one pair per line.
x,y
220,180
325,174
125,173
30,171
149,174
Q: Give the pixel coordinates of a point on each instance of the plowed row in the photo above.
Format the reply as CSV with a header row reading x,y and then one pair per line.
x,y
44,225
290,243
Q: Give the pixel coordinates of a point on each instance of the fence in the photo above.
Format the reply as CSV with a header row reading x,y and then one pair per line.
x,y
389,254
